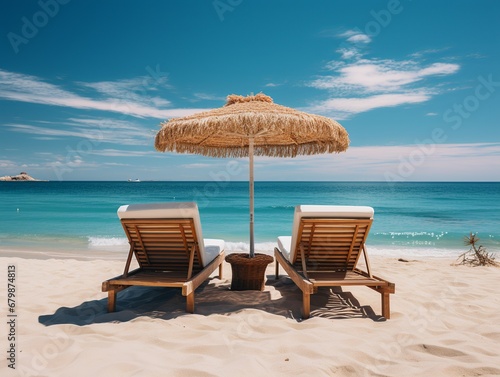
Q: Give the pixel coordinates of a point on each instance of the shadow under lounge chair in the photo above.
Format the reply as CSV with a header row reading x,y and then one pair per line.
x,y
167,242
324,249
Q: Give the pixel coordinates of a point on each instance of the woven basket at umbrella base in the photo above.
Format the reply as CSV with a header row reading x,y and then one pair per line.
x,y
248,273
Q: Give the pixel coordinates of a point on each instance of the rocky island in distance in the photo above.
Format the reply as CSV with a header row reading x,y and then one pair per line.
x,y
23,176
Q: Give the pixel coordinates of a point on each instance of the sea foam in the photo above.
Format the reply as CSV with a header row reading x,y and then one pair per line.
x,y
107,241
243,247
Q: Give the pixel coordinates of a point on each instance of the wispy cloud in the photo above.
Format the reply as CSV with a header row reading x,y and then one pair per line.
x,y
208,97
115,164
122,153
97,131
430,51
77,162
7,164
121,97
197,166
135,90
344,107
272,85
349,53
357,84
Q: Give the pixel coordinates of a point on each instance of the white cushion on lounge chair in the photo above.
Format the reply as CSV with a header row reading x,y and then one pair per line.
x,y
209,248
212,248
320,211
285,245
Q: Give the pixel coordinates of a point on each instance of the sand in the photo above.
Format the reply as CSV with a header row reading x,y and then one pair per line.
x,y
445,322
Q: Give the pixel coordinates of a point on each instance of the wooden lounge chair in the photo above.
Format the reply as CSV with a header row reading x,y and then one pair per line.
x,y
167,242
324,249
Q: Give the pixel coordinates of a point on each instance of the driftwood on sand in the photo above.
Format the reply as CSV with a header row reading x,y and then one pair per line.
x,y
476,255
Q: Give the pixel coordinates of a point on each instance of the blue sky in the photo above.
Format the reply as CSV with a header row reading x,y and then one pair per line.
x,y
84,85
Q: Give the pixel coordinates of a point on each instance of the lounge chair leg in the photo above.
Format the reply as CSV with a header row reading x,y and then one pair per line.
x,y
306,305
386,310
111,301
220,271
190,303
277,269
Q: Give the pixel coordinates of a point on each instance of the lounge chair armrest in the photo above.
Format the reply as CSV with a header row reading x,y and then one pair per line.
x,y
303,283
190,286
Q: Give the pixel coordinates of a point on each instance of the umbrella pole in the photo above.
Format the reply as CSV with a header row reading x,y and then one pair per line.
x,y
250,155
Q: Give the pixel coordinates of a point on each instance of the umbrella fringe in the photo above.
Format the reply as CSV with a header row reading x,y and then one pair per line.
x,y
270,151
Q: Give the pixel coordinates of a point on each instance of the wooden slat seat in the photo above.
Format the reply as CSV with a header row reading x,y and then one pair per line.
x,y
167,242
324,250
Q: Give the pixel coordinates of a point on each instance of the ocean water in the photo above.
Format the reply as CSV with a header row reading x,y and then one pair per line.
x,y
410,218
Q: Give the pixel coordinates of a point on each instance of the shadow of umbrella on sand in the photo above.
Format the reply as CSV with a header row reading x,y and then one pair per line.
x,y
252,126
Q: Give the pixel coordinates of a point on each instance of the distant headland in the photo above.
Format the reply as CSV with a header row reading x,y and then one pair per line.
x,y
23,176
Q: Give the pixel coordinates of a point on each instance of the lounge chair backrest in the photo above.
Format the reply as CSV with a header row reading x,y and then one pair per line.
x,y
163,233
332,236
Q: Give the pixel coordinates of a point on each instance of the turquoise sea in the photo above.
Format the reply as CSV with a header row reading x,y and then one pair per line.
x,y
410,218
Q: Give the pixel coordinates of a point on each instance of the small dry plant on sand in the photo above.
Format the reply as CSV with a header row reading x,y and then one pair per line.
x,y
476,255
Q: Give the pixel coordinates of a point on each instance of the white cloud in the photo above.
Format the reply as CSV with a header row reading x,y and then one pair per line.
x,y
122,153
349,53
45,138
76,162
356,36
130,90
197,166
357,84
352,48
420,54
359,38
428,162
95,131
7,164
341,108
45,164
366,84
115,164
120,98
439,69
370,76
208,97
36,130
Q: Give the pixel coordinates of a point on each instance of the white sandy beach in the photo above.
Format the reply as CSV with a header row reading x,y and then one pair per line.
x,y
445,322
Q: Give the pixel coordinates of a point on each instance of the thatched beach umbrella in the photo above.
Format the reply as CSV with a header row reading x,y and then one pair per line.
x,y
248,126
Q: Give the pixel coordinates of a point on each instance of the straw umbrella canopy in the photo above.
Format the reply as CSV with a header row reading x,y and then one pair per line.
x,y
252,126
